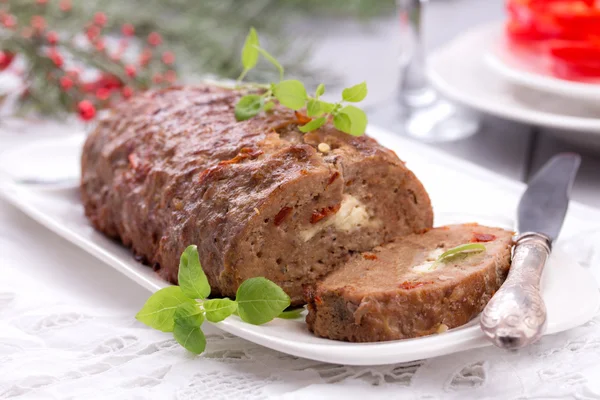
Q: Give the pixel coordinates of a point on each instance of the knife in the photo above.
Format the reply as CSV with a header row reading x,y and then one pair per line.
x,y
516,316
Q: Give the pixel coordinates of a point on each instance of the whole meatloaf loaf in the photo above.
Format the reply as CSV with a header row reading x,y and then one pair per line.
x,y
173,167
398,291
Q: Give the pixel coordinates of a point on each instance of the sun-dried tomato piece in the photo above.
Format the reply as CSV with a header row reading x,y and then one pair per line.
x,y
244,153
324,212
482,237
411,285
333,178
302,119
281,215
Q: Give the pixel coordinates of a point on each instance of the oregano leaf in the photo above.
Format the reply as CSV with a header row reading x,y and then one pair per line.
x,y
313,108
189,336
260,300
268,106
219,309
248,106
342,122
291,94
313,125
292,314
358,120
190,312
320,91
249,51
326,107
191,277
159,310
355,93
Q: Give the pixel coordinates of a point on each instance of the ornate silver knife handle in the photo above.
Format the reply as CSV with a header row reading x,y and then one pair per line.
x,y
516,316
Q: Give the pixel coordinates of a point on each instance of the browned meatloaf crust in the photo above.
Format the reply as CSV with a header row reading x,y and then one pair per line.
x,y
391,293
171,168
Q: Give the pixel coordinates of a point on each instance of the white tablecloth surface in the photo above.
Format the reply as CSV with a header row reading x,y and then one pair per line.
x,y
67,329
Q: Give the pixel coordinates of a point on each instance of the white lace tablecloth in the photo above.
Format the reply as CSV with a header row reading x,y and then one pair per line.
x,y
67,332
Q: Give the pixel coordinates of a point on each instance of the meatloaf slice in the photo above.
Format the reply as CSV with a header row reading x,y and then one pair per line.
x,y
173,167
397,292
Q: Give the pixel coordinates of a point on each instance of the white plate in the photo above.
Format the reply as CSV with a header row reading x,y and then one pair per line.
x,y
569,290
526,71
459,72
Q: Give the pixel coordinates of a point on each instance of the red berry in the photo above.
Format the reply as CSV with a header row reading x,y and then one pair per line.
x,y
92,33
100,45
6,58
9,21
56,57
86,110
66,82
52,37
157,78
110,82
130,70
38,23
145,57
168,57
170,76
42,2
102,93
100,19
74,73
127,92
154,39
127,29
65,5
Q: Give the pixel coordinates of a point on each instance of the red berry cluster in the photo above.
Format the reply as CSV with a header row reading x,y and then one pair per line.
x,y
86,96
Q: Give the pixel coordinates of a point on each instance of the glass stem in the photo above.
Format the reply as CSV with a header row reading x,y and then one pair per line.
x,y
414,89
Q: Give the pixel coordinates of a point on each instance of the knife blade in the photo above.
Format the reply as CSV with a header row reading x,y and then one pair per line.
x,y
544,204
516,315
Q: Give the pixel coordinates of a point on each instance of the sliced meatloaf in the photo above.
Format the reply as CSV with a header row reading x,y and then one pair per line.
x,y
173,167
397,291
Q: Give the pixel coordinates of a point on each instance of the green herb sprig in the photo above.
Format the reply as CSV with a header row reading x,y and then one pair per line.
x,y
468,248
182,309
292,94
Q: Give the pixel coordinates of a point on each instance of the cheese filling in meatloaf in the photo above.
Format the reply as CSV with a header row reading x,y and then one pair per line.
x,y
173,167
399,291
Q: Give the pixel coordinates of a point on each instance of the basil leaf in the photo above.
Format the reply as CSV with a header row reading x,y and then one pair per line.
x,y
313,108
159,310
320,90
248,106
260,300
249,51
312,125
291,94
189,336
355,93
292,314
358,120
463,248
271,59
191,277
219,309
342,122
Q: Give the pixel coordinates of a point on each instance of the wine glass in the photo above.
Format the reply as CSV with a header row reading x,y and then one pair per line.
x,y
423,113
